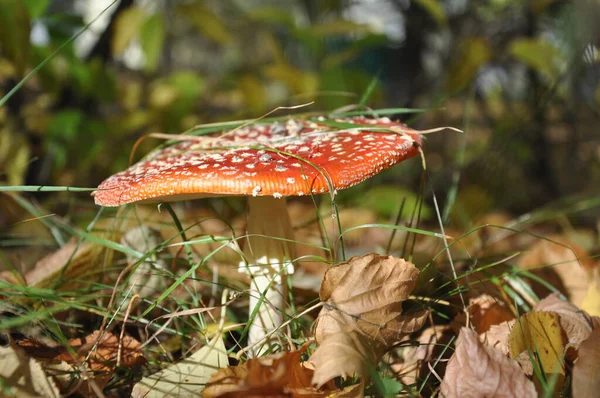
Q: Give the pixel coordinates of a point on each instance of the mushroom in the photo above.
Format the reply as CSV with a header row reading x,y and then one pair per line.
x,y
266,162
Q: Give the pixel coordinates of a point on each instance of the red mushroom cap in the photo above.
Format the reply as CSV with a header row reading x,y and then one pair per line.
x,y
298,158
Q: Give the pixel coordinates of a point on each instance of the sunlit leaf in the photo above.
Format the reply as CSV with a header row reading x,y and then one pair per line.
x,y
479,371
539,333
127,27
152,39
187,377
365,294
540,55
343,355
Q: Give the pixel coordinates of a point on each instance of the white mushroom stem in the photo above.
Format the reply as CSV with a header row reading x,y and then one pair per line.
x,y
269,261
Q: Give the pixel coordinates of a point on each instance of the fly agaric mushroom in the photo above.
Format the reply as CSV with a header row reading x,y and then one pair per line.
x,y
265,162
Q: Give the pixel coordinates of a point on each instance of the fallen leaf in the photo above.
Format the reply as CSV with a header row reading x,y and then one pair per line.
x,y
99,352
498,335
586,373
562,264
280,375
366,294
591,302
187,377
479,371
539,333
485,311
21,376
576,324
344,355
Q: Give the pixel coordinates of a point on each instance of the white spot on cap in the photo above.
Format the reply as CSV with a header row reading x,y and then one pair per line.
x,y
291,180
277,195
256,190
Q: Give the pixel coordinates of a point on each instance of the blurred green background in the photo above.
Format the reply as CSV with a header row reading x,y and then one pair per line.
x,y
521,78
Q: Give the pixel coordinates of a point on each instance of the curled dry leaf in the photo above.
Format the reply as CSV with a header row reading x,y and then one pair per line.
x,y
343,354
576,324
479,371
485,311
272,376
498,335
586,373
365,294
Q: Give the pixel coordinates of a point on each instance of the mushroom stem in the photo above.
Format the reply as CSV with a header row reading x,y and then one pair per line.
x,y
269,261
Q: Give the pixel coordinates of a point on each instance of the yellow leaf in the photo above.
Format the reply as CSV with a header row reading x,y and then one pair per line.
x,y
541,56
127,27
591,302
576,324
539,333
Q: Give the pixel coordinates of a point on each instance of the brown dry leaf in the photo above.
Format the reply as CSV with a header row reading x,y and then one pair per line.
x,y
479,371
101,361
498,335
342,355
281,375
586,373
366,294
21,376
576,324
485,311
566,268
70,262
540,333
